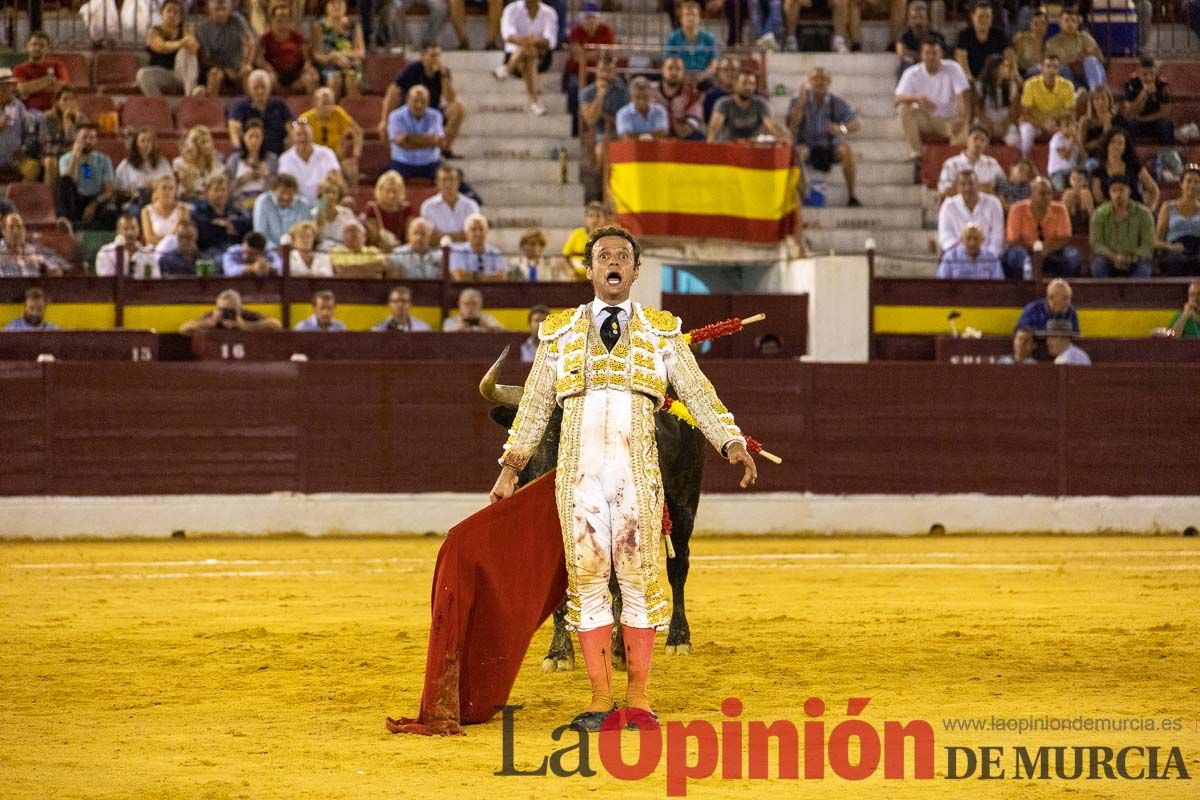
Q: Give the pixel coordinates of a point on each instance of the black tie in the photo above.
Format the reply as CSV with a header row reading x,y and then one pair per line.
x,y
610,329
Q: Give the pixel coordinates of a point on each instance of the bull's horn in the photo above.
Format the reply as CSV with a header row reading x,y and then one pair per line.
x,y
500,393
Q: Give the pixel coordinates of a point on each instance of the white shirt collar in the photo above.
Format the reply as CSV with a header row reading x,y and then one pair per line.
x,y
599,305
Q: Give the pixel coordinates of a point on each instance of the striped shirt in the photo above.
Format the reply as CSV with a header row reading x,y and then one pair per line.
x,y
814,128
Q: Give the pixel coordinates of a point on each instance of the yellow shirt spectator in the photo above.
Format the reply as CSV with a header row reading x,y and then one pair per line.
x,y
1045,103
332,131
573,250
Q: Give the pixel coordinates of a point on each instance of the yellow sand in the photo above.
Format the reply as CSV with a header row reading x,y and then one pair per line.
x,y
141,669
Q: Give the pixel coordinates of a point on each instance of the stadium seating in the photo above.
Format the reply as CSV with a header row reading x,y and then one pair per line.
x,y
34,201
115,72
93,105
207,111
376,156
61,242
148,112
298,103
78,69
114,148
366,110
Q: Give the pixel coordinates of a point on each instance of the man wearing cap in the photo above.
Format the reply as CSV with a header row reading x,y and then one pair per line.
x,y
13,120
588,31
1057,334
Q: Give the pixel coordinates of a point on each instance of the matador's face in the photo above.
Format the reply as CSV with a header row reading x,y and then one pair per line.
x,y
612,271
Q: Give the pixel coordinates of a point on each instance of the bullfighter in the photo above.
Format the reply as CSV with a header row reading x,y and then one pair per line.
x,y
608,364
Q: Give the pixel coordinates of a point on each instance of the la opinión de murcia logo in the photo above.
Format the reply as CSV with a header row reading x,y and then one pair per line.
x,y
904,750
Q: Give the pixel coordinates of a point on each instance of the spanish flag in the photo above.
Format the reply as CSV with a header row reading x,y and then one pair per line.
x,y
724,191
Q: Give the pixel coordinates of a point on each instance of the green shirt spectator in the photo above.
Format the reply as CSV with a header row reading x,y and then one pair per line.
x,y
1122,236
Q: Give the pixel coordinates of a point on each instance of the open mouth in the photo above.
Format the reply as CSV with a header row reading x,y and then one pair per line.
x,y
614,279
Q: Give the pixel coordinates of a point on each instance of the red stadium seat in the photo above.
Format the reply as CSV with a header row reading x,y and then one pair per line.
x,y
365,110
380,69
148,112
93,105
207,111
376,157
61,242
169,147
417,191
34,201
298,103
115,71
77,68
113,147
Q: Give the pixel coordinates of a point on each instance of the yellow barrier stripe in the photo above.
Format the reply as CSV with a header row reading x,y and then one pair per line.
x,y
704,189
1097,322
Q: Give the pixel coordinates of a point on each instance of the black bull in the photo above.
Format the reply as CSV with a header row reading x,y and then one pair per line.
x,y
681,452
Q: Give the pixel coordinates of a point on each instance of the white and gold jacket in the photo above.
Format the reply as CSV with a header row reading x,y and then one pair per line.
x,y
571,360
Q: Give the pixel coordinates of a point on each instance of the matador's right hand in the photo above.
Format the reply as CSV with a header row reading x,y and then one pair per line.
x,y
506,485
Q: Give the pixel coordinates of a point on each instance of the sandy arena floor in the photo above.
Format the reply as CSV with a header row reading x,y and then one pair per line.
x,y
264,669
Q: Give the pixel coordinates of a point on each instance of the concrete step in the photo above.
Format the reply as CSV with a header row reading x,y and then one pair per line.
x,y
494,100
508,240
865,218
515,148
520,124
886,267
842,66
893,240
533,172
875,197
850,87
464,61
878,109
536,216
875,174
501,194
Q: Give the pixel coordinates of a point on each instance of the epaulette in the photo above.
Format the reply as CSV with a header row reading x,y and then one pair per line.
x,y
663,323
558,323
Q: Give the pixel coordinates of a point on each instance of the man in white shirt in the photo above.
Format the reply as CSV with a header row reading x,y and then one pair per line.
x,y
447,211
932,96
307,162
988,172
475,259
1058,333
970,205
139,261
530,32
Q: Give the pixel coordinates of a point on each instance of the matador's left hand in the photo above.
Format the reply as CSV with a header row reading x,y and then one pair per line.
x,y
736,453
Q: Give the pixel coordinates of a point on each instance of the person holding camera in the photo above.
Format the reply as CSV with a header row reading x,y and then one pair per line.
x,y
471,317
229,315
820,121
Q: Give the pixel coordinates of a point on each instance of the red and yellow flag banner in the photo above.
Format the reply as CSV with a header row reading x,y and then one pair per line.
x,y
723,191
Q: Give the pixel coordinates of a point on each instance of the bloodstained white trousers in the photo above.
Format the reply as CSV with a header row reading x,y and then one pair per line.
x,y
605,518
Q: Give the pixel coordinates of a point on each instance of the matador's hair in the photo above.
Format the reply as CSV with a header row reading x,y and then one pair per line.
x,y
611,230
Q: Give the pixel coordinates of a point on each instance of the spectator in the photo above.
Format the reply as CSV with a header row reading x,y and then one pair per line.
x,y
1185,324
417,258
529,347
387,212
1122,235
57,131
988,172
1178,231
354,258
767,23
908,46
400,316
1023,345
640,118
601,101
744,115
137,172
1040,219
396,15
33,317
226,47
259,12
595,215
304,259
322,319
447,211
137,260
969,259
309,163
1058,335
251,257
250,167
1118,159
1044,100
1055,305
684,103
475,259
329,214
726,77
428,71
590,31
1064,153
979,40
14,121
458,19
416,134
338,49
220,222
163,212
768,345
20,258
970,205
533,264
272,112
1148,104
179,255
1029,47
1077,197
39,77
530,31
998,99
1099,114
283,53
695,47
229,315
471,316
847,22
173,49
85,184
821,120
330,125
1079,55
1019,183
197,161
931,97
